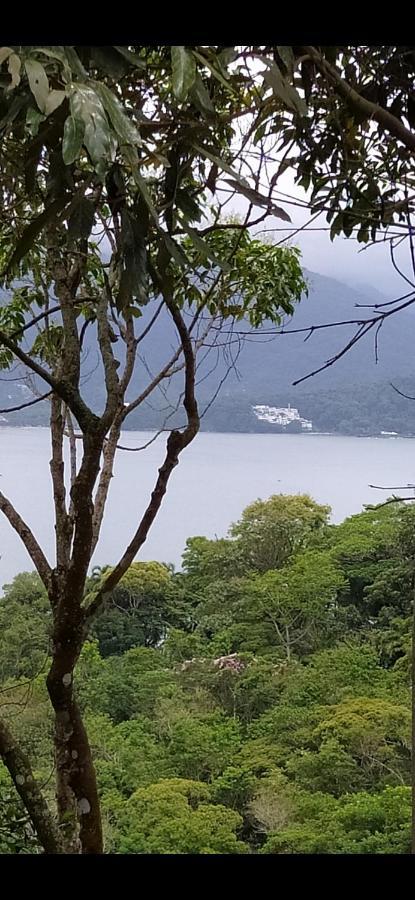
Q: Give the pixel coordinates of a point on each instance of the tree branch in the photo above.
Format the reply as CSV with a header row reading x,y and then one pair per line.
x,y
19,768
372,110
27,537
57,469
25,405
67,393
110,364
176,442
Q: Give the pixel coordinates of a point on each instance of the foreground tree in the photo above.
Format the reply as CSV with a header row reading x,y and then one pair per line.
x,y
107,156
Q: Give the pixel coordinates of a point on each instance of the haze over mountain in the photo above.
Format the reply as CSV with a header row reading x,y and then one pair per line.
x,y
267,365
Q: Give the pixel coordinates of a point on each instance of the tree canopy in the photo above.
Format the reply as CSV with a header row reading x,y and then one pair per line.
x,y
230,736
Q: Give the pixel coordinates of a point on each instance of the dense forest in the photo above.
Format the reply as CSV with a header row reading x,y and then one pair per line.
x,y
257,701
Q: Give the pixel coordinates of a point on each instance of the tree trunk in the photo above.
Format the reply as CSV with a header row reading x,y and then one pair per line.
x,y
26,786
77,793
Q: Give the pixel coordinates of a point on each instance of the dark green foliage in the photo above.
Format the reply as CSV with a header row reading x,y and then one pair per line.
x,y
235,707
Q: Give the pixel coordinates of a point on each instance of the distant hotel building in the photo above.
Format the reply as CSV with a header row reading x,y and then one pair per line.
x,y
279,415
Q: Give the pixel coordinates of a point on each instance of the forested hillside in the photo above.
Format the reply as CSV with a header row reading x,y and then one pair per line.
x,y
258,702
264,369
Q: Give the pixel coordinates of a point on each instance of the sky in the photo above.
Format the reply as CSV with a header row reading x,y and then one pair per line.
x,y
343,258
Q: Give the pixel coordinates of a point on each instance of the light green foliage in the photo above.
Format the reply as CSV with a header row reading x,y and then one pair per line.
x,y
252,272
341,723
128,755
329,768
345,671
182,645
175,816
201,748
286,611
138,610
123,687
207,560
362,823
265,721
271,531
366,547
298,601
375,732
25,620
16,834
234,788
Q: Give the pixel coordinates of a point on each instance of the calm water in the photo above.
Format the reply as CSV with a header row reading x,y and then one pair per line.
x,y
219,474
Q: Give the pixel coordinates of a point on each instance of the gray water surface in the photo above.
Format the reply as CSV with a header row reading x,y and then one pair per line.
x,y
218,475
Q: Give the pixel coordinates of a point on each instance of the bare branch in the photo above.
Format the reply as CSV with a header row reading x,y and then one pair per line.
x,y
112,382
401,393
108,453
151,323
27,537
73,461
64,390
25,405
57,470
176,442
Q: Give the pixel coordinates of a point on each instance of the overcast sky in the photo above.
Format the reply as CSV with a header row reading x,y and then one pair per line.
x,y
341,258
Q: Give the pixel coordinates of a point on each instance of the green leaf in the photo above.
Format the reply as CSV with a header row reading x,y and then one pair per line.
x,y
131,57
259,200
141,184
59,54
205,250
176,252
108,62
81,220
75,63
14,69
227,56
87,106
5,52
53,100
183,72
188,206
38,81
134,311
287,56
15,107
283,90
125,129
31,232
33,120
284,164
133,281
53,52
337,226
222,165
73,136
200,96
215,72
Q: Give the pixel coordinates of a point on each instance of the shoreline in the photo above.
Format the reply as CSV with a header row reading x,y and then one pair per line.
x,y
377,435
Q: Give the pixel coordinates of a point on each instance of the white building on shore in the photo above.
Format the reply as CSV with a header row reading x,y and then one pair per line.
x,y
281,415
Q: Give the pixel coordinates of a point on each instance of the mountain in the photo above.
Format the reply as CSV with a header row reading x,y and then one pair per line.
x,y
261,367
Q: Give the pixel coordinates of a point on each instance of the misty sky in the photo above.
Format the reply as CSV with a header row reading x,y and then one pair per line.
x,y
341,258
